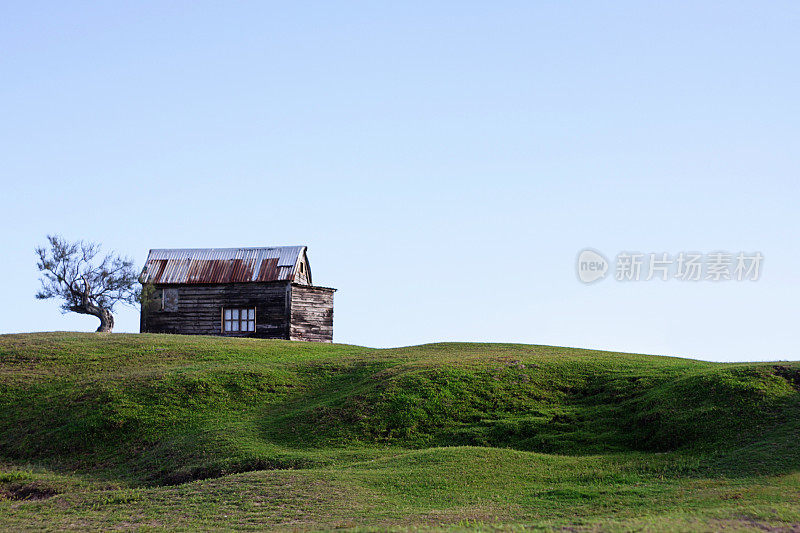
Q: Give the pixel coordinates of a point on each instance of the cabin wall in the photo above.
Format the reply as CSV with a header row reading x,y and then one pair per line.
x,y
311,314
197,309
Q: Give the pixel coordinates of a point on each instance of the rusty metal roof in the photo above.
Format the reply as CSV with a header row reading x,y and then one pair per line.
x,y
221,265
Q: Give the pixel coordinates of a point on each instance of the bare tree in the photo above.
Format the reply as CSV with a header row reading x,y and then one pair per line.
x,y
87,283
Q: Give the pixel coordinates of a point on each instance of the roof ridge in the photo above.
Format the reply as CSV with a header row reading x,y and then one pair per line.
x,y
234,248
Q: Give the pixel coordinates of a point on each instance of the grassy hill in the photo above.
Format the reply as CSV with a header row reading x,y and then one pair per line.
x,y
163,431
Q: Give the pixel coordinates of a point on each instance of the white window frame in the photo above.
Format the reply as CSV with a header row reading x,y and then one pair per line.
x,y
238,318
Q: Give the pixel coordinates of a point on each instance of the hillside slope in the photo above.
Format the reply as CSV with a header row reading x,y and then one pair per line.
x,y
155,410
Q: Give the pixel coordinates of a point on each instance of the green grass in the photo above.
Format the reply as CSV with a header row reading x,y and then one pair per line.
x,y
172,432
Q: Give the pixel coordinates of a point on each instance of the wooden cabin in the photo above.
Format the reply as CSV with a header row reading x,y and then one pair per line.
x,y
237,292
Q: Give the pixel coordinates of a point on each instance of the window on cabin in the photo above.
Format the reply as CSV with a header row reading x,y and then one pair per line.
x,y
301,268
169,300
238,319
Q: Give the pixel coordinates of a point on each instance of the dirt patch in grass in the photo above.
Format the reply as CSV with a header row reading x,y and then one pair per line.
x,y
27,491
750,524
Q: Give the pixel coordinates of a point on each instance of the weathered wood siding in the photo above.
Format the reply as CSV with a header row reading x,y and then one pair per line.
x,y
302,271
197,309
311,313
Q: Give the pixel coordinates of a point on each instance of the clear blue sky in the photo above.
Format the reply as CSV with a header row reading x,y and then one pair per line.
x,y
444,161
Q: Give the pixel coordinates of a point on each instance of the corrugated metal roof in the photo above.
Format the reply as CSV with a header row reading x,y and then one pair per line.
x,y
221,265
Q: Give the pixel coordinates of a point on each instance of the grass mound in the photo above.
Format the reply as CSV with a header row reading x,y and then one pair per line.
x,y
430,429
166,409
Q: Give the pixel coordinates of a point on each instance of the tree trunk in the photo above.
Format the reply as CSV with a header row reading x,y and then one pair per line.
x,y
105,316
106,321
